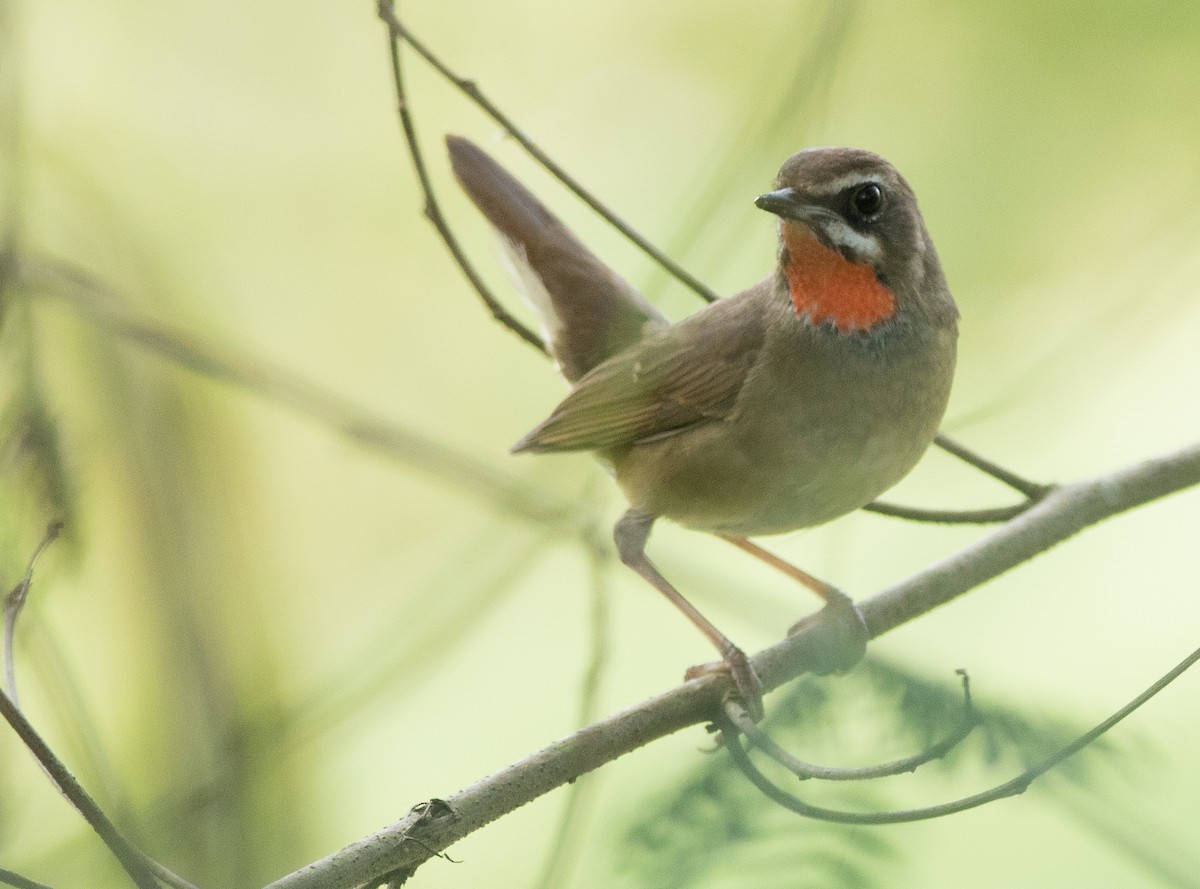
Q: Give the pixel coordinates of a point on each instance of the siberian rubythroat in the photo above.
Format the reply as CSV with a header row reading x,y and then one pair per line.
x,y
798,400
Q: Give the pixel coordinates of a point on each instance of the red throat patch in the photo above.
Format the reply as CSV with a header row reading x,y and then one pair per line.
x,y
825,286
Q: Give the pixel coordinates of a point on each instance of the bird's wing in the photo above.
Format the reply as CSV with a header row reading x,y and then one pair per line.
x,y
690,373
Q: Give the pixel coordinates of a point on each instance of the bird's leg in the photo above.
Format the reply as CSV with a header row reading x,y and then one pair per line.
x,y
826,591
850,633
630,534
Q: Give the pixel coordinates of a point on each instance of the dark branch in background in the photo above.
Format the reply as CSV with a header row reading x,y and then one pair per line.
x,y
1059,515
399,31
8,878
730,723
92,300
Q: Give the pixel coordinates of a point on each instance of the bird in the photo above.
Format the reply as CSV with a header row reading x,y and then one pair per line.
x,y
795,401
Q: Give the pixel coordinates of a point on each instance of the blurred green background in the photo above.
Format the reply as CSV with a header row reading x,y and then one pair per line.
x,y
260,641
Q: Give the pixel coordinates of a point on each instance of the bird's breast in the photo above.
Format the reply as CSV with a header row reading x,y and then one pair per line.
x,y
821,428
826,288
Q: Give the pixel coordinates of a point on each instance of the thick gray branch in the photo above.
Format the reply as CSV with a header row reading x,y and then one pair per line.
x,y
1062,514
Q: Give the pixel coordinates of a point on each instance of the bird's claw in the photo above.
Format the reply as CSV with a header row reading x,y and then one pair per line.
x,y
748,687
841,640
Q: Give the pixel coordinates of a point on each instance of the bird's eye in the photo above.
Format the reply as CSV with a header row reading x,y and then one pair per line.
x,y
867,199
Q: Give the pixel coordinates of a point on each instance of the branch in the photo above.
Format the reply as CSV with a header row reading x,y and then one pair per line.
x,y
1033,492
433,210
131,859
992,516
1013,787
743,724
1063,512
399,31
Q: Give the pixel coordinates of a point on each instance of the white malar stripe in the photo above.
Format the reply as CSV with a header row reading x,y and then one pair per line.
x,y
865,247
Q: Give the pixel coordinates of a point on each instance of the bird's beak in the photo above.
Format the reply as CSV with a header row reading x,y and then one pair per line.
x,y
786,203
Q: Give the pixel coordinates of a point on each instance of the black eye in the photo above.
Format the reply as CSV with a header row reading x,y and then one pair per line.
x,y
867,200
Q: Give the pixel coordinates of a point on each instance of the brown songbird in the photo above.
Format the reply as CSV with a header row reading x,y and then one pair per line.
x,y
796,401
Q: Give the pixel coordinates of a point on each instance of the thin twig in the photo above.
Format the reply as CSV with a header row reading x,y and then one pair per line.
x,y
806,770
1033,492
400,31
1013,787
1031,489
951,516
433,210
14,602
130,858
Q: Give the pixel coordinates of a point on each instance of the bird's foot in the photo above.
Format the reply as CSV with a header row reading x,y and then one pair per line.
x,y
840,637
748,686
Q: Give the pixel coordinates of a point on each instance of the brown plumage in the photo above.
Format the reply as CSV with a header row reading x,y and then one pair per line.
x,y
800,399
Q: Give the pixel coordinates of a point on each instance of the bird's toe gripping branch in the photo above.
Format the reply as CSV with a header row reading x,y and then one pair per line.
x,y
838,634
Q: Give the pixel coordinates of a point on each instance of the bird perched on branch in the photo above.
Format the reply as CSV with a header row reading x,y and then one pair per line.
x,y
798,400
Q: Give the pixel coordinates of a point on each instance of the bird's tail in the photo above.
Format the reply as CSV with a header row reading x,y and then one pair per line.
x,y
588,312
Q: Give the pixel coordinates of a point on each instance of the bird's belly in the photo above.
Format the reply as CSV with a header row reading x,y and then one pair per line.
x,y
768,478
728,490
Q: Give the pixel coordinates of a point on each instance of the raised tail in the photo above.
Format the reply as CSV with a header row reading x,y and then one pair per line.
x,y
588,311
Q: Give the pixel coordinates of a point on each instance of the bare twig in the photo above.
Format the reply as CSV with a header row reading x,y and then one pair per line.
x,y
14,602
804,770
1014,787
433,210
951,516
130,858
399,31
1032,490
1062,513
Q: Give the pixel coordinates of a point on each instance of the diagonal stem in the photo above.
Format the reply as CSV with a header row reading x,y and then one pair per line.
x,y
130,858
1031,489
433,210
401,31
